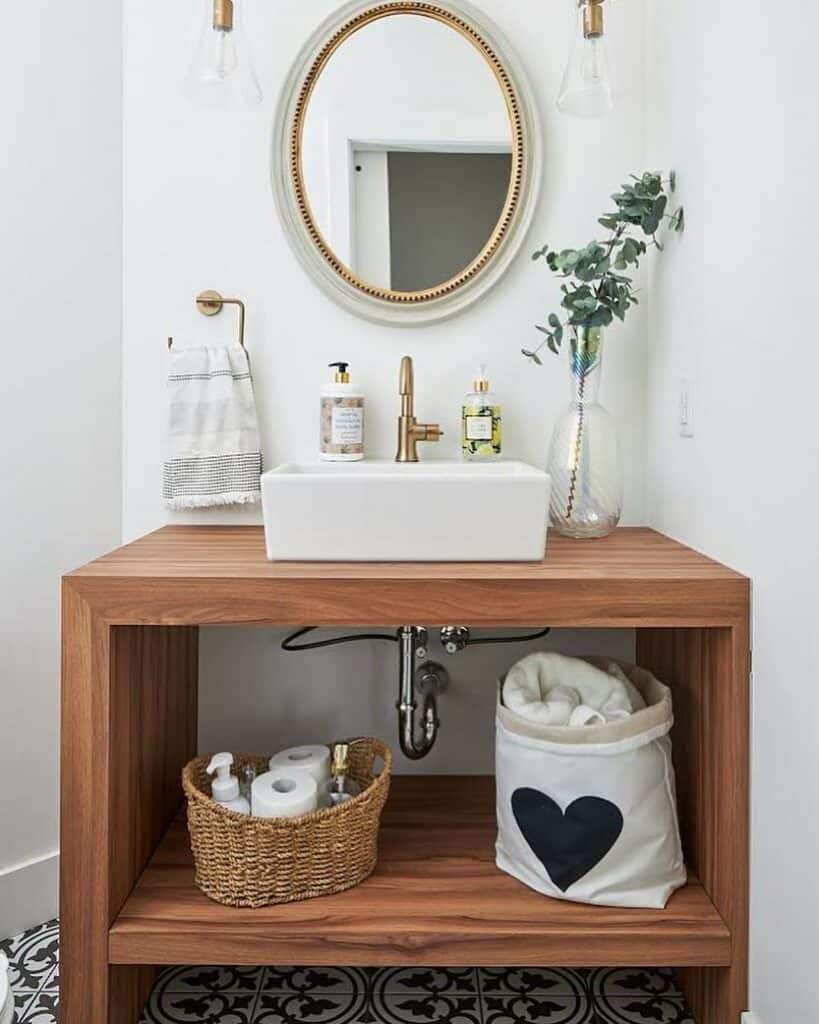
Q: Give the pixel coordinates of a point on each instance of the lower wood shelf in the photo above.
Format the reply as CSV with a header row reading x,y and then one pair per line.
x,y
435,898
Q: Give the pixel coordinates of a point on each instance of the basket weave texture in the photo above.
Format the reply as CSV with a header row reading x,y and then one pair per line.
x,y
243,861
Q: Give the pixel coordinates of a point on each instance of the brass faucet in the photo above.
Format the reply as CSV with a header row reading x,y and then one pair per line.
x,y
410,432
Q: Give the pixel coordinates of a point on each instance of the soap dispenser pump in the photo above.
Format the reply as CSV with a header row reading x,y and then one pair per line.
x,y
225,787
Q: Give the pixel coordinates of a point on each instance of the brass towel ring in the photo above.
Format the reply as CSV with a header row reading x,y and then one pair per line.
x,y
210,303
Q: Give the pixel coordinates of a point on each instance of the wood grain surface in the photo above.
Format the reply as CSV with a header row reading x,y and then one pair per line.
x,y
237,552
708,671
129,705
201,575
129,722
436,898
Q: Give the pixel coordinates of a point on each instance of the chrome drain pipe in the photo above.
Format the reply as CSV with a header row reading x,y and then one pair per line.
x,y
425,681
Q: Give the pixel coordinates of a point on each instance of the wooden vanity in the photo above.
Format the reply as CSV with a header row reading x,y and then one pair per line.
x,y
129,724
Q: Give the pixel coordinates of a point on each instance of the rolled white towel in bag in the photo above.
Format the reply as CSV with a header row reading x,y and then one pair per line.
x,y
554,689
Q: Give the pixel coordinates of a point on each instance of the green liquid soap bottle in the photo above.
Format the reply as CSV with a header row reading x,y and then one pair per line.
x,y
481,419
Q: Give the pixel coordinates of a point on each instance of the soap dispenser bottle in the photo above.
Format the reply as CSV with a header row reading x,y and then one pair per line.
x,y
342,418
481,418
225,787
341,787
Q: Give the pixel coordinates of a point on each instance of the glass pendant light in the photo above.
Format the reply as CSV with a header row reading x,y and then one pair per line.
x,y
221,75
586,87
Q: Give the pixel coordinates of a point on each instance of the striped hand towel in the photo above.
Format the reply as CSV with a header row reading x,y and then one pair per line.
x,y
214,456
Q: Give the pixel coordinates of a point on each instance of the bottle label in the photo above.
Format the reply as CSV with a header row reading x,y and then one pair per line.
x,y
342,426
481,431
348,425
479,428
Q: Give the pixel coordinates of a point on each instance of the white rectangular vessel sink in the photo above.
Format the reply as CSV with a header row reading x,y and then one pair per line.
x,y
409,512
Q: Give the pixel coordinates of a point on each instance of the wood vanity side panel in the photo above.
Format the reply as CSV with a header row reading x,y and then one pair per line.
x,y
709,672
129,988
128,727
84,822
154,690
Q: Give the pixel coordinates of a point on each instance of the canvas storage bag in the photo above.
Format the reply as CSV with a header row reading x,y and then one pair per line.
x,y
590,814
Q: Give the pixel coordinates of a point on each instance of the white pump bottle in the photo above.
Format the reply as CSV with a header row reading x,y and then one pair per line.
x,y
225,787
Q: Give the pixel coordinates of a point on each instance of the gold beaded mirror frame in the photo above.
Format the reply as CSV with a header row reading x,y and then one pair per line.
x,y
365,298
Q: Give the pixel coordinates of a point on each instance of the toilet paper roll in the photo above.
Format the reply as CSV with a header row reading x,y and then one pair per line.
x,y
315,760
283,795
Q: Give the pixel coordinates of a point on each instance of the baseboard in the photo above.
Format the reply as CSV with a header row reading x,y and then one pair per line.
x,y
29,894
750,1018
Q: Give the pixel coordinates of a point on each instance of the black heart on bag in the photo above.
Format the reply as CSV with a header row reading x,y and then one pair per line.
x,y
567,844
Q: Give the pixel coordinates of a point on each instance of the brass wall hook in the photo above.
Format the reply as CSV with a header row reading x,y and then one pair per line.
x,y
209,303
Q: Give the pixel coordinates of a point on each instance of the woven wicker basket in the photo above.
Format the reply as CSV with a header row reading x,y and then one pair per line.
x,y
253,862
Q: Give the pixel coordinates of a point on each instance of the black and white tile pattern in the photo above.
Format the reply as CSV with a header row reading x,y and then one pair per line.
x,y
365,995
34,972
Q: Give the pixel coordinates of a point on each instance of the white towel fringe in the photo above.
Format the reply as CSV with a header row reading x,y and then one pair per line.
x,y
211,500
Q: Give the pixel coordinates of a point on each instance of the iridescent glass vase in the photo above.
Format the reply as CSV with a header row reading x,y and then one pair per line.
x,y
585,460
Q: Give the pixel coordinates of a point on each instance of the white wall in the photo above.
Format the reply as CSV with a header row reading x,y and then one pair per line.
x,y
199,213
60,279
733,107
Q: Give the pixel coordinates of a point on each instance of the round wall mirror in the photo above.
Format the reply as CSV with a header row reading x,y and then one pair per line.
x,y
406,159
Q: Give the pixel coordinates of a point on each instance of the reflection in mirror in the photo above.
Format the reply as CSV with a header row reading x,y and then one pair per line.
x,y
407,153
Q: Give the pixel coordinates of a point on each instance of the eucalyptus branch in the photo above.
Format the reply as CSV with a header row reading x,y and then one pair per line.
x,y
602,289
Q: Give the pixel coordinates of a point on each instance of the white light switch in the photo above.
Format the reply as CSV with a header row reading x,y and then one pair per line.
x,y
686,408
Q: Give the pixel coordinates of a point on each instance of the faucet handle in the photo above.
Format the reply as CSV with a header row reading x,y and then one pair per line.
x,y
406,382
430,432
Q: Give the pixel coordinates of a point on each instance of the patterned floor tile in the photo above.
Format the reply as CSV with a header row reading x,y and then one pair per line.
x,y
313,979
41,1008
632,1010
534,981
426,980
32,957
199,1008
315,1007
424,1008
209,979
631,981
537,1009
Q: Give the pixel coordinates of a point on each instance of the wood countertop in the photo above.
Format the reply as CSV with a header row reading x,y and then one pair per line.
x,y
199,575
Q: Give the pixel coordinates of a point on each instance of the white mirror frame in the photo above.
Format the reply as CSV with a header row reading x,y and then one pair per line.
x,y
286,177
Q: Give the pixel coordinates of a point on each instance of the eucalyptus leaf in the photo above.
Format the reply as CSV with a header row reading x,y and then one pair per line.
x,y
599,287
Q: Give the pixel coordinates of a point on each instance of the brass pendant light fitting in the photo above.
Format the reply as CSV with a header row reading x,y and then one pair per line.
x,y
223,15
